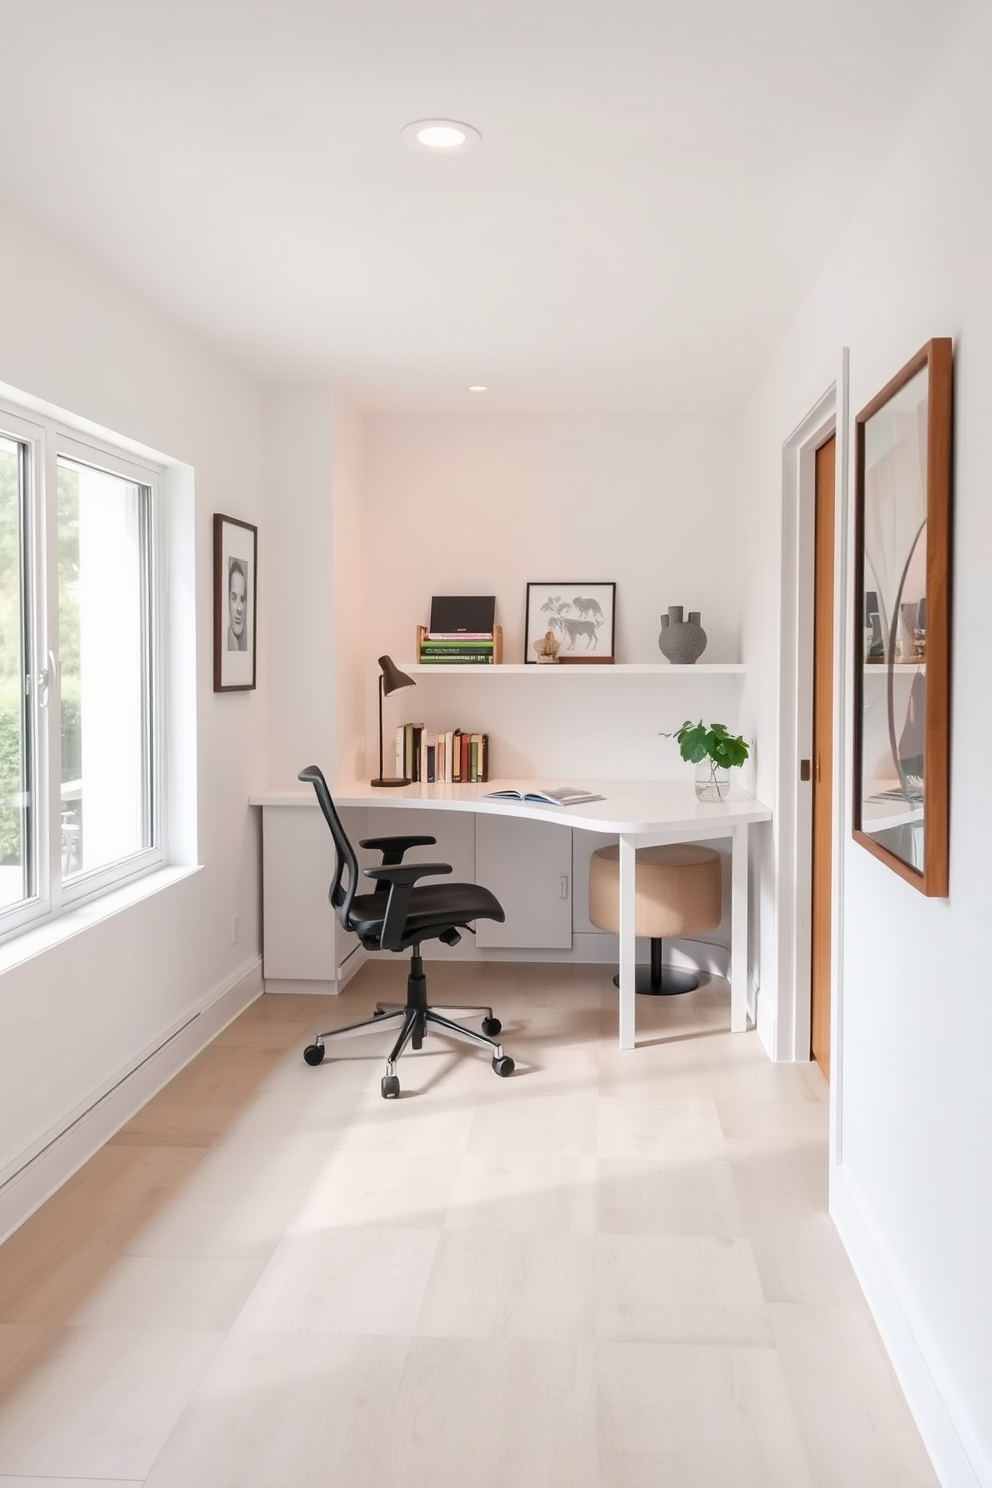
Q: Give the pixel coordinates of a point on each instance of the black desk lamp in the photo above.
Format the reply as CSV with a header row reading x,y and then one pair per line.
x,y
391,679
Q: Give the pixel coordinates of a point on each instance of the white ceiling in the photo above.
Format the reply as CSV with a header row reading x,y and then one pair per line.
x,y
658,184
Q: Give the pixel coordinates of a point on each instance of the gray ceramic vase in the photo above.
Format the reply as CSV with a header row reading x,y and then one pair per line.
x,y
682,641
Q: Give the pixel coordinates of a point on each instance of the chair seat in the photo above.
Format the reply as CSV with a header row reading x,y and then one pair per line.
x,y
433,907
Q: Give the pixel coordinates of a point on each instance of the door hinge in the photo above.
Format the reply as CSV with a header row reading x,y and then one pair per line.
x,y
804,771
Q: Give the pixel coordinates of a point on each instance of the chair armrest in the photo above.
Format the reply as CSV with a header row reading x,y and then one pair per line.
x,y
400,878
392,849
396,844
406,873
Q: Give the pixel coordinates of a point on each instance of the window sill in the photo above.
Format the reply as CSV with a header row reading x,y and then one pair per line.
x,y
38,939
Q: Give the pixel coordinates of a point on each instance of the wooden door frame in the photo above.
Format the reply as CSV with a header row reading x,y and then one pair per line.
x,y
794,805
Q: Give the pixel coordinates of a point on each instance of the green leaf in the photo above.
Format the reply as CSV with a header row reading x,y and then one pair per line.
x,y
699,741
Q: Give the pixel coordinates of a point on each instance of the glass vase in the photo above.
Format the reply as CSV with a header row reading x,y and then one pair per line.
x,y
712,782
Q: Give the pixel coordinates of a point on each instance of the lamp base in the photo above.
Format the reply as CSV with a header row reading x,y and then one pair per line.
x,y
398,781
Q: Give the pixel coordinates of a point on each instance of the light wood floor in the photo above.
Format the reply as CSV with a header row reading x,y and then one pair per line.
x,y
611,1269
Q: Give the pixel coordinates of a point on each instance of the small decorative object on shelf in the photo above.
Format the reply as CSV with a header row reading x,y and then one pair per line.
x,y
546,647
682,641
714,751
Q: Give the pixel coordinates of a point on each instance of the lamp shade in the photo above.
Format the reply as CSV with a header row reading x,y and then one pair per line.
x,y
392,678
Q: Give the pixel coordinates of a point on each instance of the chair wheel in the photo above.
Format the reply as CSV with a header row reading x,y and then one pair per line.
x,y
503,1066
390,1087
313,1053
491,1027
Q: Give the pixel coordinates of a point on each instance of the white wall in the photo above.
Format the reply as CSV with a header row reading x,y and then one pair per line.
x,y
73,1017
316,566
348,558
913,1189
481,503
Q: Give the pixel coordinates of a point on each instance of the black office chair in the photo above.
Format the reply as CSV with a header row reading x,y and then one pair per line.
x,y
401,915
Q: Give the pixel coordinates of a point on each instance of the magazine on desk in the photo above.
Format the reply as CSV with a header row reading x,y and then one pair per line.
x,y
566,795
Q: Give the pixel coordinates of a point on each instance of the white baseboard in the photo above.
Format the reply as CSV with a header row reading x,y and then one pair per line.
x,y
286,986
957,1457
299,986
86,1131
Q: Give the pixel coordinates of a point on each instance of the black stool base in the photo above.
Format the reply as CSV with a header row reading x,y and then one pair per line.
x,y
661,981
672,982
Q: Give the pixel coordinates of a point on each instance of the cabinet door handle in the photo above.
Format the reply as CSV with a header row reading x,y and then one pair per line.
x,y
563,886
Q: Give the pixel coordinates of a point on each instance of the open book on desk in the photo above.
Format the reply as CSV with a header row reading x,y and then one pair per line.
x,y
566,795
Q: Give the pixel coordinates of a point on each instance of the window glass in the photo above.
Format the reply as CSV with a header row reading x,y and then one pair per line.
x,y
14,751
104,667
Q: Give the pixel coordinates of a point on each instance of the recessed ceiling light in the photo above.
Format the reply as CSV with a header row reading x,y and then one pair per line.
x,y
441,136
478,387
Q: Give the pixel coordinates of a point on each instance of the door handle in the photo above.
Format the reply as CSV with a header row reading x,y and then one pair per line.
x,y
563,886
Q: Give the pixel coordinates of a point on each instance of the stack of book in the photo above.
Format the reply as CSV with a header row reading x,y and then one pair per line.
x,y
459,647
441,758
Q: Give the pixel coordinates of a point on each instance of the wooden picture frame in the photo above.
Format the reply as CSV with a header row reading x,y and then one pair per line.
x,y
902,566
580,615
235,603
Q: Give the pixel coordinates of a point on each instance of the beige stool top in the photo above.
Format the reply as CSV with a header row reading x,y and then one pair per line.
x,y
677,890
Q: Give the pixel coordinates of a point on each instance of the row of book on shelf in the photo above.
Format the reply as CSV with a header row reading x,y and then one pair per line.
x,y
459,648
435,757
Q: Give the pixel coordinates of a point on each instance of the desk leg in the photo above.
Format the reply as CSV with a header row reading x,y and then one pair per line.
x,y
738,931
628,948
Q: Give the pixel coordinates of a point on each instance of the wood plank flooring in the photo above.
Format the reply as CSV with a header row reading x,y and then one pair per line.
x,y
613,1270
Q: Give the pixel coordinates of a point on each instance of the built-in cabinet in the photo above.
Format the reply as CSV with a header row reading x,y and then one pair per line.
x,y
528,866
303,939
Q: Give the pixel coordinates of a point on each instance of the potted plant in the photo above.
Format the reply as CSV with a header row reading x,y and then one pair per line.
x,y
714,751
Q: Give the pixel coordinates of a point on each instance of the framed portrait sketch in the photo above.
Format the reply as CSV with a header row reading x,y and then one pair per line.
x,y
902,657
235,586
581,616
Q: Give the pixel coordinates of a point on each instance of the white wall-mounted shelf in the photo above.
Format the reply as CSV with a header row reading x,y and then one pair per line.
x,y
626,669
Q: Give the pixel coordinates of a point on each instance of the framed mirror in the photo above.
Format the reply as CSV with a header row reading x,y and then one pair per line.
x,y
902,620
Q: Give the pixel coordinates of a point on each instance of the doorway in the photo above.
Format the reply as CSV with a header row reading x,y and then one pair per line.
x,y
822,761
785,1027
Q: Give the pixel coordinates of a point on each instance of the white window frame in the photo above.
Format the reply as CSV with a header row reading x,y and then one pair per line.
x,y
46,440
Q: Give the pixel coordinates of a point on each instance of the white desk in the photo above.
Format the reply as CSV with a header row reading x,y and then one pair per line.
x,y
641,813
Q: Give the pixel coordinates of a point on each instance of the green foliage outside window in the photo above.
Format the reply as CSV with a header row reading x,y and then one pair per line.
x,y
11,665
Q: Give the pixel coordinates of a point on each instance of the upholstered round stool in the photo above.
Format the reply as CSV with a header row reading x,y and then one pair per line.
x,y
677,892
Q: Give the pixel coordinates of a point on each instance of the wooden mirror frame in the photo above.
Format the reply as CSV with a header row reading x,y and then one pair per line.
x,y
937,358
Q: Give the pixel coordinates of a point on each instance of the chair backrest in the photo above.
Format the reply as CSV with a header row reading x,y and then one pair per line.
x,y
340,894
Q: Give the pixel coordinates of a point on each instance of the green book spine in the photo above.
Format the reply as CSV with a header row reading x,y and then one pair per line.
x,y
456,651
456,660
